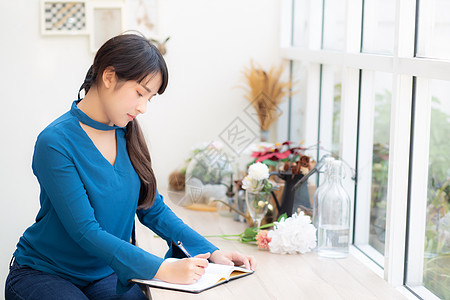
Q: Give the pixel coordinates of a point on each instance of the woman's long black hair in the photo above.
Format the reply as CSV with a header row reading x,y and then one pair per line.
x,y
133,57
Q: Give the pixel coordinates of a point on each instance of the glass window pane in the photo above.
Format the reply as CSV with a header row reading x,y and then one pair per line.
x,y
330,115
298,102
334,25
337,95
436,272
300,23
380,160
330,110
434,29
373,162
378,26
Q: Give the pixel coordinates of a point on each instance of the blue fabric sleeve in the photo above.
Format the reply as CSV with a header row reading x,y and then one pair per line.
x,y
162,221
59,177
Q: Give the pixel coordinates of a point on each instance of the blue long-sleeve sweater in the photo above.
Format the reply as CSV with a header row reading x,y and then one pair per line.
x,y
83,228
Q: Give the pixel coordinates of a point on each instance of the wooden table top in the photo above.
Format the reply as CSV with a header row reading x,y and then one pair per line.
x,y
300,276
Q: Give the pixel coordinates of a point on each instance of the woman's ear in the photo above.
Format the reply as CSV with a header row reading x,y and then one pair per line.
x,y
109,77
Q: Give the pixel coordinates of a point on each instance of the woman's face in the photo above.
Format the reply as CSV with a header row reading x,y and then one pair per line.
x,y
125,100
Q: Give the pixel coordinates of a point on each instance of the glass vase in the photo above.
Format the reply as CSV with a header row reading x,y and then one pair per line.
x,y
323,186
257,205
207,177
333,216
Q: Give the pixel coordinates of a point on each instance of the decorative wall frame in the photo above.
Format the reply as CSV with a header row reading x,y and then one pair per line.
x,y
106,19
63,17
100,19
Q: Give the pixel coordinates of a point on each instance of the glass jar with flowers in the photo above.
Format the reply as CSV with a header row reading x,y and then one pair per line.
x,y
258,190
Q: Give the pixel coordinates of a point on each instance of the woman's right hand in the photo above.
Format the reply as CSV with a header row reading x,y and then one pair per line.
x,y
183,271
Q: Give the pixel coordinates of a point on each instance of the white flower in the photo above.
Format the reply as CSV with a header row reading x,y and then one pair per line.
x,y
251,184
258,171
292,235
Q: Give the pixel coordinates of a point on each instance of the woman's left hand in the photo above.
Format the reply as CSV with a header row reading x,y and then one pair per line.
x,y
232,259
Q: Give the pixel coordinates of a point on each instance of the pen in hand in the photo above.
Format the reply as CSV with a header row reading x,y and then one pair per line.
x,y
180,245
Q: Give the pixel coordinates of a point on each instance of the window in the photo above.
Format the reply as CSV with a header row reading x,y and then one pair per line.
x,y
373,162
431,191
300,23
436,270
378,33
334,25
297,105
434,29
330,109
376,86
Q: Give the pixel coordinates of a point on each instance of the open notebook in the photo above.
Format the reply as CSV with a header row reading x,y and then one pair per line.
x,y
215,274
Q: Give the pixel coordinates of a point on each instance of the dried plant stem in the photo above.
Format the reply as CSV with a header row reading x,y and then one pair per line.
x,y
265,91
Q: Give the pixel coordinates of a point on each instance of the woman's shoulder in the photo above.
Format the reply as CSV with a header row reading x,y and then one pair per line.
x,y
57,130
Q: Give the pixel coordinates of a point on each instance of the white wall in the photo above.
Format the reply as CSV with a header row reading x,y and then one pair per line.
x,y
211,41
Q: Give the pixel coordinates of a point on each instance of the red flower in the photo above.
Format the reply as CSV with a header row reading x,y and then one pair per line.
x,y
277,153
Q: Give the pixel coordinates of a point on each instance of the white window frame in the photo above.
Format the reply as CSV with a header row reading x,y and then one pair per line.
x,y
365,159
419,180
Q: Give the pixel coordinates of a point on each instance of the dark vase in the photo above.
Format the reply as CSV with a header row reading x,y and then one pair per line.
x,y
291,199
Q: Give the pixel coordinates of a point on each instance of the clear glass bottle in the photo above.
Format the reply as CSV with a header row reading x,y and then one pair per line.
x,y
334,216
320,189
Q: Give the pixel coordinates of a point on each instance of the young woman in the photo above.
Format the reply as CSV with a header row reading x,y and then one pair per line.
x,y
95,174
